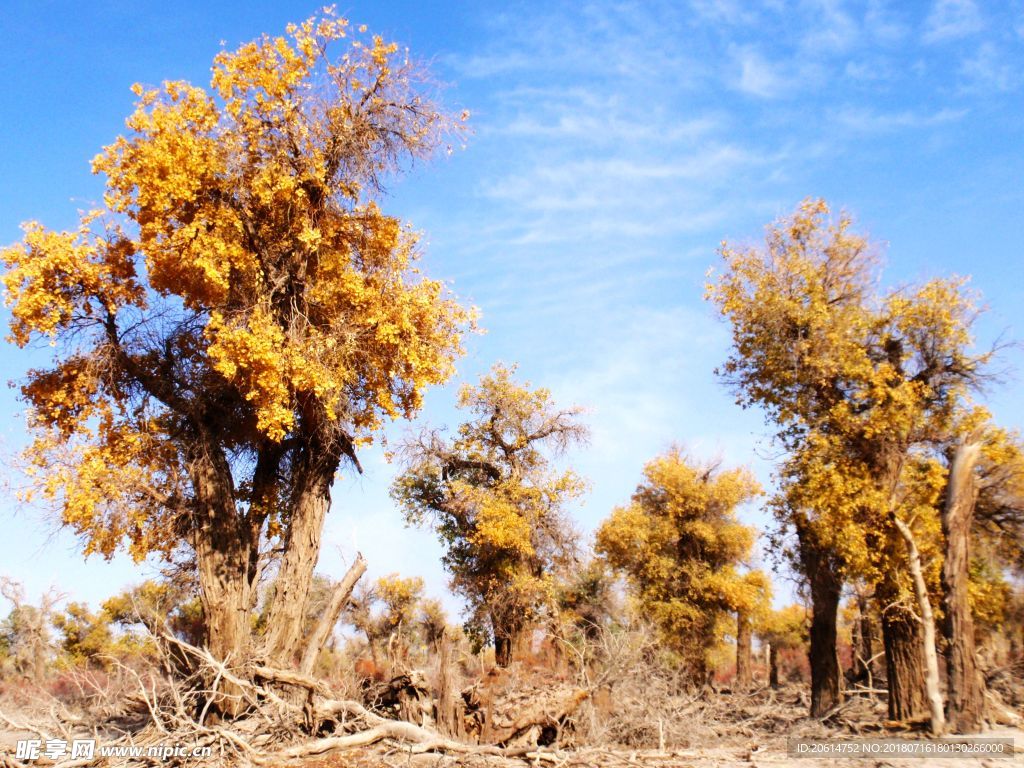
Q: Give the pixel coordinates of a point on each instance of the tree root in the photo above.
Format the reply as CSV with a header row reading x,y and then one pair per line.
x,y
285,716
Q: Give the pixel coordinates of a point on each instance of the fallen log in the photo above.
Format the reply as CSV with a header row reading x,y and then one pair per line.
x,y
543,715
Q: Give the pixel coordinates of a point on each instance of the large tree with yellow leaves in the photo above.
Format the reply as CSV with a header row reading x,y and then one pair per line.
x,y
237,319
497,502
864,387
682,549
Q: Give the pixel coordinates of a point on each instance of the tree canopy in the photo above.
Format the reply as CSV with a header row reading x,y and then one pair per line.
x,y
239,316
682,548
497,501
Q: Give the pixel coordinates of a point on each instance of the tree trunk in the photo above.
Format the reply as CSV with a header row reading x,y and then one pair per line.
x,y
864,645
773,666
856,671
324,627
824,653
744,677
449,710
905,674
826,588
966,687
308,508
502,651
507,637
223,544
924,604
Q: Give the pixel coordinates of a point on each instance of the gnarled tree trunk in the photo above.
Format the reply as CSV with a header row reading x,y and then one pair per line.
x,y
224,544
901,637
744,675
506,639
966,687
308,507
826,586
449,708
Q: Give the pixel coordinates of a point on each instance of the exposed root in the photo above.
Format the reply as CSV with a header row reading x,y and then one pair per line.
x,y
286,716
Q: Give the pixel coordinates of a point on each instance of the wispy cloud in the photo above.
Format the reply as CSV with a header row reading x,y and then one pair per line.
x,y
758,76
648,382
598,182
584,115
952,20
989,70
883,23
866,120
871,71
835,32
730,12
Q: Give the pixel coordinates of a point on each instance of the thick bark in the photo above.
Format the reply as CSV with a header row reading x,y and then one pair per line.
x,y
325,625
223,544
864,642
826,586
308,507
966,687
924,604
824,653
744,675
449,709
904,671
504,642
773,666
502,651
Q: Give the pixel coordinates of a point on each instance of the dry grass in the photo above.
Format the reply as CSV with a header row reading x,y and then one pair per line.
x,y
608,701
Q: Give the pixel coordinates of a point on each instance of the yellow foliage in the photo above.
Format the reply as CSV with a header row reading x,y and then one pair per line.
x,y
496,501
861,384
681,547
786,627
240,287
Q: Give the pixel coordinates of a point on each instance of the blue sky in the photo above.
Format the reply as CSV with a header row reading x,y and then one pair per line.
x,y
615,145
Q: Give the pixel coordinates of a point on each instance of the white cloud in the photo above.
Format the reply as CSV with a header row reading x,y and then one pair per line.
x,y
870,71
882,24
952,20
834,31
625,39
863,120
758,76
647,381
585,116
732,12
988,70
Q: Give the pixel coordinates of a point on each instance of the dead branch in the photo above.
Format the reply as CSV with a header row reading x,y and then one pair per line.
x,y
325,626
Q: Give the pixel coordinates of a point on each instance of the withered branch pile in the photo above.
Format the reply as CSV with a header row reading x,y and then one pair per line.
x,y
286,716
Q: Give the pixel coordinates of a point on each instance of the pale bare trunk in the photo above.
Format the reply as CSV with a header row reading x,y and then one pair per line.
x,y
965,681
322,632
931,661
